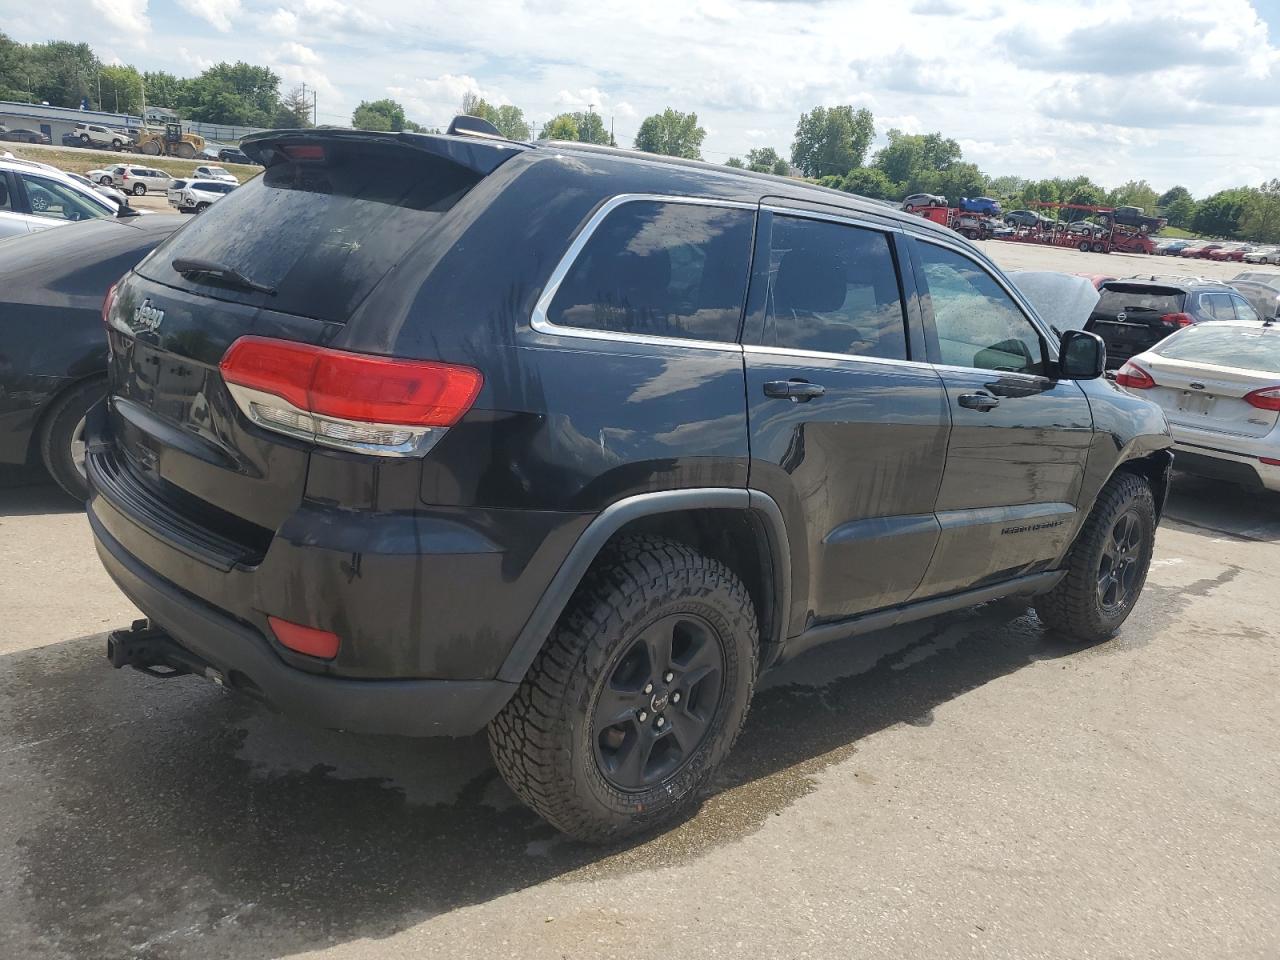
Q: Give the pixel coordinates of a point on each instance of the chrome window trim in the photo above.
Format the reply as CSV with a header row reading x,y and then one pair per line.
x,y
1027,310
849,220
802,354
995,374
538,319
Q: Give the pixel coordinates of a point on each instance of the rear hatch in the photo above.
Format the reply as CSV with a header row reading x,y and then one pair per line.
x,y
329,218
1203,376
1133,317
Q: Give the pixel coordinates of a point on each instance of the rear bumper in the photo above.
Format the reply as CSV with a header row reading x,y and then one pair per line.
x,y
1219,464
421,708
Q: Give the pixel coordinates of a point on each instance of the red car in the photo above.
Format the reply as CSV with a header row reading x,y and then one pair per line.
x,y
1200,250
1231,251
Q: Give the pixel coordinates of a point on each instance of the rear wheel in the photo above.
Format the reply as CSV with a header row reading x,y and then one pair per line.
x,y
62,437
1108,563
84,138
638,695
139,189
1099,247
202,207
1083,246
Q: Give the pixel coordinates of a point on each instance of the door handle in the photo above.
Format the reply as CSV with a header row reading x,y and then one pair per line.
x,y
978,401
797,391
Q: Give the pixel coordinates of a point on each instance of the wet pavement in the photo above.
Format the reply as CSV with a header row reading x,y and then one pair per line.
x,y
966,786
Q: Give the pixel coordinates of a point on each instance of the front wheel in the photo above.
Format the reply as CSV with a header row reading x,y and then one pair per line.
x,y
201,207
1107,565
105,181
638,695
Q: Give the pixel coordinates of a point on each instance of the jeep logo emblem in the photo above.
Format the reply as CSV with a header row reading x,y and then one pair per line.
x,y
147,317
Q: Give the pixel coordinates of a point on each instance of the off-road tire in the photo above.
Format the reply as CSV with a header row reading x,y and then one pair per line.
x,y
1072,608
542,741
57,430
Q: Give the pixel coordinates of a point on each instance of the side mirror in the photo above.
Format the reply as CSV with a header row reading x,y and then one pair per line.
x,y
124,210
1081,356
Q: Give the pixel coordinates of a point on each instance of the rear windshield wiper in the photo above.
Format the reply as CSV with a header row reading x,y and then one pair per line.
x,y
220,271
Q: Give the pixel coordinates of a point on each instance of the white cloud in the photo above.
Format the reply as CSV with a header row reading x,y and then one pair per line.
x,y
129,16
283,22
218,13
292,52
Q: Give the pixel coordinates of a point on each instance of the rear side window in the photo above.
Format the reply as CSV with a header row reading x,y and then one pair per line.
x,y
1133,299
660,269
1217,306
833,288
322,233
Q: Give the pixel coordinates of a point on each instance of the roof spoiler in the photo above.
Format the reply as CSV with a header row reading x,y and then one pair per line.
x,y
477,152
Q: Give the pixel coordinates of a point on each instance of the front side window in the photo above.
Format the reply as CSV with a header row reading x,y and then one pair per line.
x,y
57,201
833,288
660,268
977,323
6,197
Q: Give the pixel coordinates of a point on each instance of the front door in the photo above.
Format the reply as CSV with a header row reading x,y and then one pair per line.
x,y
848,428
1019,438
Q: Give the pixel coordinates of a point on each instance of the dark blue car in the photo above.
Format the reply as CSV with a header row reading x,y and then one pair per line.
x,y
980,205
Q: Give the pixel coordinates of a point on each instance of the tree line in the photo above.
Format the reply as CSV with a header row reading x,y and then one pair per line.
x,y
66,74
831,145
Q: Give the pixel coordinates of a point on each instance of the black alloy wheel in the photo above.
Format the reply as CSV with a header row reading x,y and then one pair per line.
x,y
1119,566
658,701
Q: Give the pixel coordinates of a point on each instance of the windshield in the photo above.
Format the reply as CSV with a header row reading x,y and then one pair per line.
x,y
1248,348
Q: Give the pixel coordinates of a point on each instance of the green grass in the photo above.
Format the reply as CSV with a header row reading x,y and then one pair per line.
x,y
1177,233
80,161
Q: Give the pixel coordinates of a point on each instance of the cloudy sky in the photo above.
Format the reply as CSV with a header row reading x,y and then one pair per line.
x,y
1177,91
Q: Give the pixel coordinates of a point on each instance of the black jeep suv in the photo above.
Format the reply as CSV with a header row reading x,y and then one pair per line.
x,y
417,434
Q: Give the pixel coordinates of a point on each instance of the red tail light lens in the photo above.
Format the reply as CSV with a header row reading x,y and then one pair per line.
x,y
1268,398
303,151
107,302
1177,319
314,643
350,400
1134,377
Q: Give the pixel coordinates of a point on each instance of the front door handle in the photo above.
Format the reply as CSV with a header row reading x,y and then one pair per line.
x,y
979,401
797,391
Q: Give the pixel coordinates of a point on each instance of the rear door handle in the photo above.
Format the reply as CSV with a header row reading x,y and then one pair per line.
x,y
798,391
978,401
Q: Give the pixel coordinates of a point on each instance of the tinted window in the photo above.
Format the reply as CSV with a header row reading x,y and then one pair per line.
x,y
661,269
324,233
977,323
833,288
1243,310
1137,299
1253,348
6,198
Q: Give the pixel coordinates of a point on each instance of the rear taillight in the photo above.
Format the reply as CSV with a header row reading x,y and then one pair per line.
x,y
323,644
348,400
1177,319
107,301
303,151
1134,377
1268,398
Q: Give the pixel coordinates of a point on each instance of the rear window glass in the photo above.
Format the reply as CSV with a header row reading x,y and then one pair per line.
x,y
1121,298
660,269
1253,348
323,234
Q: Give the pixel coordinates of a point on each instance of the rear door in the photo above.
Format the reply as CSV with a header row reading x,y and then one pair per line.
x,y
1019,438
848,420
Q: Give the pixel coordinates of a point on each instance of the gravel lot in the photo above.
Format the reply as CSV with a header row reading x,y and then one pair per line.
x,y
963,787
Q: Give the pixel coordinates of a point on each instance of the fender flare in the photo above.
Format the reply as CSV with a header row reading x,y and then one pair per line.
x,y
617,515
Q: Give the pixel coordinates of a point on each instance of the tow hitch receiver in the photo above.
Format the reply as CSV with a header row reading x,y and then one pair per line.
x,y
150,649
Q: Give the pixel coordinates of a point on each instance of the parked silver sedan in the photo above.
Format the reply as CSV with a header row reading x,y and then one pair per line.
x,y
1219,385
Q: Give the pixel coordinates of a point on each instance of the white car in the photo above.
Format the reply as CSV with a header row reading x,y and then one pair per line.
x,y
196,196
33,198
1263,255
1219,386
138,180
216,173
96,135
111,193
